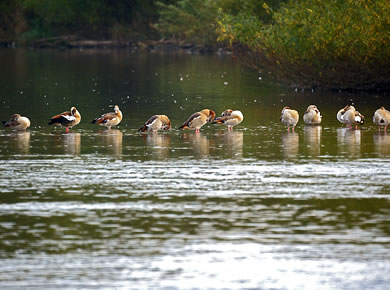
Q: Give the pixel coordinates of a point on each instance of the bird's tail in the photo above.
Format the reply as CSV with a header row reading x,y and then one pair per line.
x,y
218,121
142,129
99,120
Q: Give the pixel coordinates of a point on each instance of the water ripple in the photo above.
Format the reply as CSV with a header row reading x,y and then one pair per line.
x,y
323,179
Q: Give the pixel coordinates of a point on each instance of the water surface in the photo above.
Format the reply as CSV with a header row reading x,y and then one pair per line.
x,y
254,208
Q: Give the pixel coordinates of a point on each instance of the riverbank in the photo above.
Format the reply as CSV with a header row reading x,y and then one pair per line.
x,y
75,42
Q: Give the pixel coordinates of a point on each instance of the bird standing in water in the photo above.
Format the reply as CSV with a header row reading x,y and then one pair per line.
x,y
67,119
198,119
109,120
289,118
381,118
155,123
229,118
352,117
312,116
17,122
341,112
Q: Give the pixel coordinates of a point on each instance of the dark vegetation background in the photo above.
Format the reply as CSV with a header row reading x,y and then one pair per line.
x,y
326,44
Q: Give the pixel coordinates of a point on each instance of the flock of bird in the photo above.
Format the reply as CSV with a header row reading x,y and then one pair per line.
x,y
347,116
72,118
230,118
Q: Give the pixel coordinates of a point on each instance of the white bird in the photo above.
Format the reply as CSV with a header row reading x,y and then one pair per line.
x,y
312,116
155,123
352,117
289,118
341,112
230,118
381,118
17,122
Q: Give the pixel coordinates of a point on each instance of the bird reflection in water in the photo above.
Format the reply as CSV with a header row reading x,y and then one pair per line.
x,y
159,145
199,143
290,144
313,139
382,143
112,141
72,143
231,143
349,141
22,141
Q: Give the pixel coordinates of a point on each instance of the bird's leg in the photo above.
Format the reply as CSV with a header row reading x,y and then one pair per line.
x,y
67,129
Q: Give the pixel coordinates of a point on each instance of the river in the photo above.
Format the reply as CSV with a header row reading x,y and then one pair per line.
x,y
258,207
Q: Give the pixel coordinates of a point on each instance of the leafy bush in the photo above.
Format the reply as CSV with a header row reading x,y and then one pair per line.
x,y
333,44
190,20
120,19
12,20
195,20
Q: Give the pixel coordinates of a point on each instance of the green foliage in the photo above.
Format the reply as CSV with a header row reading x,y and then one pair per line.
x,y
196,20
122,19
332,43
66,15
35,31
190,20
12,20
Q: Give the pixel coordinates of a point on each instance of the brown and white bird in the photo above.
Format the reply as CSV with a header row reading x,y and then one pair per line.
x,y
155,123
229,118
341,112
352,117
67,119
312,115
109,119
198,119
289,118
381,118
17,122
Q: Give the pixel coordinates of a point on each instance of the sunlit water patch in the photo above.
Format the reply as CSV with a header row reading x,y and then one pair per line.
x,y
210,223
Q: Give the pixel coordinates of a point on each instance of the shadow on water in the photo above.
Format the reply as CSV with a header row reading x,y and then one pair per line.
x,y
17,143
290,144
312,138
382,143
111,141
198,143
158,145
71,142
231,142
349,141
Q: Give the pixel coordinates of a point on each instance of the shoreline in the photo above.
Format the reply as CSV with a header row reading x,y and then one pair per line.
x,y
74,42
